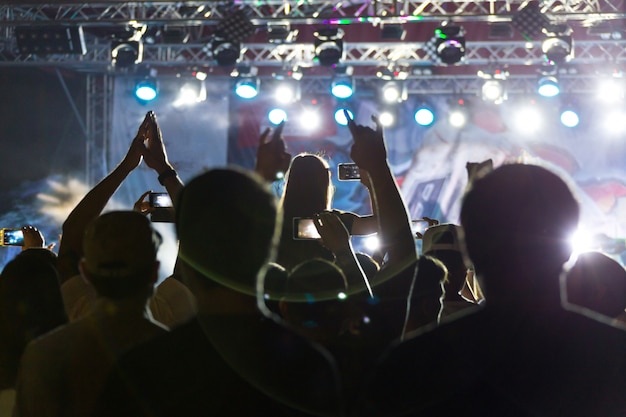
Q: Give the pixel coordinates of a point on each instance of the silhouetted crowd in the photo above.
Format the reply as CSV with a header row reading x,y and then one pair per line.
x,y
271,311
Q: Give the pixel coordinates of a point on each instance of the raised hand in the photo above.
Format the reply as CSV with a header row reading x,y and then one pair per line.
x,y
135,152
334,234
154,153
368,151
272,159
33,238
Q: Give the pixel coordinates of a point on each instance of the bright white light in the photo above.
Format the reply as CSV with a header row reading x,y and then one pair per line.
x,y
200,75
391,93
340,118
145,93
424,116
582,241
342,296
613,122
371,243
548,87
386,118
610,90
247,89
493,91
284,93
528,120
569,118
191,93
310,120
276,116
342,89
457,118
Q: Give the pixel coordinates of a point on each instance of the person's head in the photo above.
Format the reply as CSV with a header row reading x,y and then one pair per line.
x,y
517,220
308,188
597,282
315,300
30,305
443,242
227,224
120,255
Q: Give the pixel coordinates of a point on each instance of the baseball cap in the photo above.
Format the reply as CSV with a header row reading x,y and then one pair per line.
x,y
120,244
441,237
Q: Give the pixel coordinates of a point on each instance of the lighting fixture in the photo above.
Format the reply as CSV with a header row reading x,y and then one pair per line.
x,y
386,118
569,118
276,116
128,50
225,52
191,92
450,44
43,40
392,92
340,117
287,91
328,46
247,87
394,31
548,86
342,88
557,48
424,116
280,32
458,114
146,90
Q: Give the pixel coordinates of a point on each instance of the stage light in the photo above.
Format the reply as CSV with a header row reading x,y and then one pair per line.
x,y
328,46
286,92
386,118
340,118
450,44
247,87
44,40
146,90
125,54
276,116
310,120
610,90
424,116
528,119
192,91
569,118
225,52
557,48
392,93
342,88
493,91
280,32
613,122
548,86
458,114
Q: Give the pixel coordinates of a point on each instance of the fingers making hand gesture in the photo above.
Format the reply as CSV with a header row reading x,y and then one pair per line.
x,y
272,159
368,151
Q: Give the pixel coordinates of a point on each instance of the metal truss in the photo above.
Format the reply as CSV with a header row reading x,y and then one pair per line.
x,y
518,53
98,116
309,11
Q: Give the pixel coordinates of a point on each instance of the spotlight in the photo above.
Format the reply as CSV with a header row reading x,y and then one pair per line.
x,y
225,52
386,118
458,115
424,116
548,86
247,87
328,46
392,93
450,44
126,53
287,92
569,118
276,116
280,32
340,118
528,119
557,48
192,91
610,90
43,40
342,88
146,90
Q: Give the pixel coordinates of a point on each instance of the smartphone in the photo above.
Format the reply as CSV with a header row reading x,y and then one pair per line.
x,y
304,229
348,172
158,200
11,237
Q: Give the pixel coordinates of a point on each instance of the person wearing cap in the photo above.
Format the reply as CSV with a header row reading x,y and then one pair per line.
x,y
442,242
62,373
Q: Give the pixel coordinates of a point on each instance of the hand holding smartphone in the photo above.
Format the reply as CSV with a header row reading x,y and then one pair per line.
x,y
11,237
304,229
